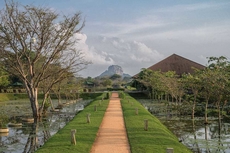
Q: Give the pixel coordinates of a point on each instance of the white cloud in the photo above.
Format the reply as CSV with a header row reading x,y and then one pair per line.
x,y
194,31
91,54
130,55
192,7
203,34
106,51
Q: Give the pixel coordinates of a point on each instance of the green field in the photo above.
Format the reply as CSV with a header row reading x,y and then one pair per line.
x,y
156,139
86,132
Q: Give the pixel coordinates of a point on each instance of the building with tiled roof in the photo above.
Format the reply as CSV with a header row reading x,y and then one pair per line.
x,y
176,63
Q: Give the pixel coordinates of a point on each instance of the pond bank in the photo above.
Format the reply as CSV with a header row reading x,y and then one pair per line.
x,y
22,138
85,132
200,137
157,138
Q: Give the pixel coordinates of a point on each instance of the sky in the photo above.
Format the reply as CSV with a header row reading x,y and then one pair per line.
x,y
136,34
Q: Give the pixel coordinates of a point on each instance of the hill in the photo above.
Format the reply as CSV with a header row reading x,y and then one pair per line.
x,y
114,69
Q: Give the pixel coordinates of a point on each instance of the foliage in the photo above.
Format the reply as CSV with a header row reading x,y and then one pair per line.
x,y
211,84
106,82
115,77
115,89
4,119
89,95
4,78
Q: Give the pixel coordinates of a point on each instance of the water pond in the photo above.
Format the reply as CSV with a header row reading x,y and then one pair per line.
x,y
30,136
199,137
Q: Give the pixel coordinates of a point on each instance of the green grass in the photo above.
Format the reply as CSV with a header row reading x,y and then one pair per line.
x,y
157,139
86,132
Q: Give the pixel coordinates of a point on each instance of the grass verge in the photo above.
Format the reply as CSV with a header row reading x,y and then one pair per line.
x,y
86,132
157,139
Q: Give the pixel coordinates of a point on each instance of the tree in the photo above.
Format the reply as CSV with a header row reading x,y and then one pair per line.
x,y
220,80
4,79
33,40
115,77
207,90
106,82
148,79
215,83
193,82
173,86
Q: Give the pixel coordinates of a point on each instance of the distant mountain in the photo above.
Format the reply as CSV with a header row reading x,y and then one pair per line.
x,y
114,69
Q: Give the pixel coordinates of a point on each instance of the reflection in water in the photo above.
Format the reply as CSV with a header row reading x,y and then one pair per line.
x,y
200,137
31,136
32,141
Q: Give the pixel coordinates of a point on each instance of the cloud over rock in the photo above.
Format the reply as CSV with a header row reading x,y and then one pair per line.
x,y
105,51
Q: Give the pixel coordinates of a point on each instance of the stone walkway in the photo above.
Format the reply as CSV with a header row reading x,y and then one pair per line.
x,y
112,136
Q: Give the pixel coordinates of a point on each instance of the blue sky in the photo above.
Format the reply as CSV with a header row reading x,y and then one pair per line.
x,y
136,34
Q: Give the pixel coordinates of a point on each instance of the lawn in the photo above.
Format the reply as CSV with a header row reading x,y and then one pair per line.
x,y
156,139
86,132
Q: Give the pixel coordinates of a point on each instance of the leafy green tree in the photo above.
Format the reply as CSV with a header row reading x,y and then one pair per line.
x,y
115,77
193,82
215,82
207,89
173,86
148,79
106,82
220,80
4,79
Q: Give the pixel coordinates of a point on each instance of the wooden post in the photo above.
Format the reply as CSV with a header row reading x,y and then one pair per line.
x,y
136,111
169,150
88,118
146,124
95,108
73,139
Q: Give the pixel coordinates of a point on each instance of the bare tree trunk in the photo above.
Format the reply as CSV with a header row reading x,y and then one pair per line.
x,y
33,96
206,112
193,107
58,94
43,103
51,103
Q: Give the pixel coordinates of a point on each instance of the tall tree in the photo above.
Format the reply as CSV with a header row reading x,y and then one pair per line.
x,y
193,83
33,40
207,90
220,80
173,85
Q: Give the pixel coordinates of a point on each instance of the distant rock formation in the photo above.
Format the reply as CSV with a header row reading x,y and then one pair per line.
x,y
114,69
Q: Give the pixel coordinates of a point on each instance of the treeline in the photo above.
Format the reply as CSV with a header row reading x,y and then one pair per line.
x,y
210,85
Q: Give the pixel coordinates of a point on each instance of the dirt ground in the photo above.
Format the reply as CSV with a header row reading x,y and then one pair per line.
x,y
112,136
